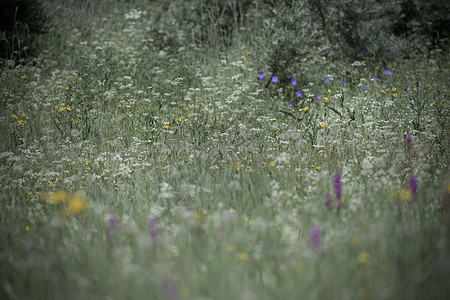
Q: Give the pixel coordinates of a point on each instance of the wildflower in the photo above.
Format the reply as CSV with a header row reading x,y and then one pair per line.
x,y
294,82
242,256
362,52
272,164
27,228
24,76
315,238
413,187
261,75
319,97
165,126
364,86
383,91
76,204
290,105
373,78
344,82
388,72
299,94
180,120
112,224
363,257
324,125
337,184
289,79
55,198
390,49
21,122
326,80
202,104
304,108
408,144
275,79
153,228
14,116
67,88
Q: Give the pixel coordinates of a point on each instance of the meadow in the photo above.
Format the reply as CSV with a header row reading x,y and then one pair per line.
x,y
138,163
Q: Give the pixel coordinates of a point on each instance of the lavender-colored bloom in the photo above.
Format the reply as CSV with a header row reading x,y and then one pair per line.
x,y
294,82
315,237
290,105
289,79
390,49
373,78
326,80
337,184
112,224
413,187
153,228
299,94
408,144
344,82
362,52
261,75
275,79
319,97
364,86
328,200
388,72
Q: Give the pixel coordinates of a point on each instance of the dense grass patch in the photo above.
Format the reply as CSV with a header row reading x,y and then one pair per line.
x,y
139,159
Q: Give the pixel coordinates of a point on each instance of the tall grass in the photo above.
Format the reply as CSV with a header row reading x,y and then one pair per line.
x,y
139,162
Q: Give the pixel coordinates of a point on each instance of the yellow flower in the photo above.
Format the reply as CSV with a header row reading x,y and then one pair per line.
x,y
405,194
68,107
24,76
14,116
202,104
394,89
180,120
383,92
27,228
23,115
237,166
242,256
166,126
395,95
76,204
67,88
329,91
21,122
56,197
363,257
324,125
304,109
272,164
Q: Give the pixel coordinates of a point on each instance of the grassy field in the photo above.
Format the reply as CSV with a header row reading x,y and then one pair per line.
x,y
131,168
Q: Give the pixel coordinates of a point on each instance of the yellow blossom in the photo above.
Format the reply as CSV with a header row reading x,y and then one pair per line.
x,y
27,228
21,122
394,89
383,91
24,76
76,204
55,197
304,108
67,88
272,164
166,126
180,120
324,125
23,115
242,256
363,257
14,116
405,194
395,95
202,104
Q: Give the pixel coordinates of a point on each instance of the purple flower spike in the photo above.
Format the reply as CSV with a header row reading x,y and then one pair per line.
x,y
299,94
112,224
315,237
153,228
275,79
408,144
413,187
261,75
337,184
344,82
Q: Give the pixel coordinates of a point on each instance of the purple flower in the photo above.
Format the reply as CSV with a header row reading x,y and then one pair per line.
x,y
364,86
388,72
408,144
337,184
299,94
275,79
344,82
112,224
153,228
390,49
315,238
328,200
294,82
373,78
319,97
362,52
413,184
289,79
290,105
326,80
261,75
